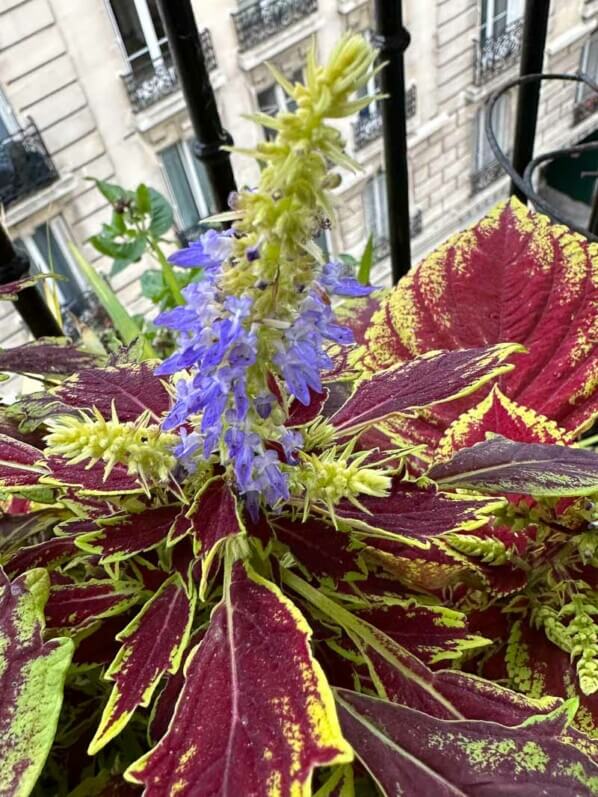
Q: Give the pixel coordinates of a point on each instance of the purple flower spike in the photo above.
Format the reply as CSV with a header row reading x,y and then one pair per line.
x,y
336,278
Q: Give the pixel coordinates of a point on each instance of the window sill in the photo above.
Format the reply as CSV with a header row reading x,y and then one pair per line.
x,y
568,38
31,205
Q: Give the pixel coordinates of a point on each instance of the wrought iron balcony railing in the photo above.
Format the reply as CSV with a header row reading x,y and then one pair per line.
x,y
261,20
495,54
485,176
157,79
25,165
585,108
368,128
382,244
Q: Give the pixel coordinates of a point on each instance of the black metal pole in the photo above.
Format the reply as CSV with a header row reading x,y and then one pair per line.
x,y
185,46
535,27
30,303
393,39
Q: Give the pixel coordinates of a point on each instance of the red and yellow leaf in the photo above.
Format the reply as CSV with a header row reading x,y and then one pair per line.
x,y
415,515
130,535
255,715
154,643
20,464
76,606
132,388
430,379
32,677
408,752
497,414
518,278
46,356
499,465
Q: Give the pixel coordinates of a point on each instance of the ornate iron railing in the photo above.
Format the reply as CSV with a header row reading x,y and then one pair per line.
x,y
497,53
158,79
259,21
368,128
382,244
585,108
25,165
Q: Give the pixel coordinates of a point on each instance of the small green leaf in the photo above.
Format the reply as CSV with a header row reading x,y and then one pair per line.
x,y
366,262
119,265
144,200
152,285
162,217
111,191
118,223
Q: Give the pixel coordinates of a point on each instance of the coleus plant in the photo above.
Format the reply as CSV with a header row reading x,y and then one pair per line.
x,y
284,563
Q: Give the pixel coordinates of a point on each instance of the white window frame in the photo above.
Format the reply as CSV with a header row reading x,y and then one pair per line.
x,y
513,12
502,113
9,120
378,186
153,43
61,235
583,91
185,150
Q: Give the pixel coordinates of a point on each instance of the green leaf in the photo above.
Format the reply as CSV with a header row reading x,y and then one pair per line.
x,y
366,262
111,191
124,324
130,251
119,265
144,199
152,285
118,222
162,217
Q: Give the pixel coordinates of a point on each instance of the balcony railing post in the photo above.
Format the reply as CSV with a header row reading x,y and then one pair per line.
x,y
190,63
535,27
30,303
393,39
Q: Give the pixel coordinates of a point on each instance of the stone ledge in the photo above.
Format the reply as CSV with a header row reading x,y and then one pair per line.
x,y
31,205
282,41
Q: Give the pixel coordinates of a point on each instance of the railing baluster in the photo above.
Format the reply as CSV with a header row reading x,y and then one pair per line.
x,y
25,165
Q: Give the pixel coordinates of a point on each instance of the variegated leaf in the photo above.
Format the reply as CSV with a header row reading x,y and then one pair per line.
x,y
46,356
255,715
20,465
132,388
415,515
32,676
521,279
408,752
154,643
76,606
499,465
124,537
430,379
9,291
497,414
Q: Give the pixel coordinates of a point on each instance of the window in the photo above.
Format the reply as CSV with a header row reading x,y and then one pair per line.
x,y
274,99
140,30
8,122
188,185
47,251
502,128
376,208
589,66
496,16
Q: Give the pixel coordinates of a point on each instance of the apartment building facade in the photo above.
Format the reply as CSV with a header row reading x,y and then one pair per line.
x,y
88,89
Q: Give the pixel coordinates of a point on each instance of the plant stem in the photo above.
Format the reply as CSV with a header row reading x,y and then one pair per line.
x,y
168,272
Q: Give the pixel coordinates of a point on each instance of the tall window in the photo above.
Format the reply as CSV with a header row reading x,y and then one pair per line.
x,y
496,16
188,185
8,122
376,208
141,32
273,99
502,129
48,251
589,66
